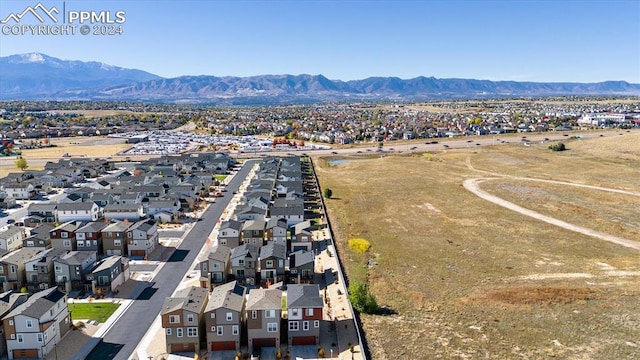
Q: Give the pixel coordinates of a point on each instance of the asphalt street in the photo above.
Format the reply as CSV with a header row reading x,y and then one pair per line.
x,y
122,339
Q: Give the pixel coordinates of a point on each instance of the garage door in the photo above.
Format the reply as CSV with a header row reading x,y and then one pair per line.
x,y
223,345
303,340
260,343
185,347
137,253
25,354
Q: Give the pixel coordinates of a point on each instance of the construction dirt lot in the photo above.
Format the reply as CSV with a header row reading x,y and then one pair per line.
x,y
463,277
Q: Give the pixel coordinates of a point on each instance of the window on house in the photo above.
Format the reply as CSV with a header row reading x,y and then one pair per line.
x,y
229,316
293,326
20,339
10,322
39,337
235,330
220,331
179,332
254,314
13,336
168,331
117,243
316,323
80,243
272,327
294,312
241,262
64,235
269,263
29,323
305,325
309,312
269,314
1,269
240,273
174,319
12,269
190,318
66,243
213,315
192,332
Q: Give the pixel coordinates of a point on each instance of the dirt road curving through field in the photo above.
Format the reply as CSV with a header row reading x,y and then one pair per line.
x,y
472,185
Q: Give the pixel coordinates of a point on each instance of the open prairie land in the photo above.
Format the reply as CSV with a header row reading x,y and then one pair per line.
x,y
466,278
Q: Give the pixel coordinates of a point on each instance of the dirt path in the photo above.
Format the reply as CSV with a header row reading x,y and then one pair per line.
x,y
472,186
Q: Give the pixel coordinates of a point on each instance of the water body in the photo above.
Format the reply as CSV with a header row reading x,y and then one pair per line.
x,y
338,162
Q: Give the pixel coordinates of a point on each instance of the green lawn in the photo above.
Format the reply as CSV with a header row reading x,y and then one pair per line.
x,y
98,311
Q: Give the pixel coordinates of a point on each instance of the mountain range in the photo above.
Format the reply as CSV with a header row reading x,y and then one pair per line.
x,y
37,76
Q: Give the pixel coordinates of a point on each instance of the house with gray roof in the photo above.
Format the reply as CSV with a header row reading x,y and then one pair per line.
x,y
229,233
120,211
71,269
224,316
253,232
11,238
34,327
12,268
304,313
89,236
77,211
142,238
9,300
47,211
64,236
114,238
182,319
244,262
109,273
271,263
263,314
39,269
301,266
301,236
216,267
291,210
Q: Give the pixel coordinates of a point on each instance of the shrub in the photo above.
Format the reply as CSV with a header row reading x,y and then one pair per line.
x,y
328,193
360,246
557,147
362,299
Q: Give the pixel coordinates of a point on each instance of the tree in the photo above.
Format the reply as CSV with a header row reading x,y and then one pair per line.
x,y
362,299
557,147
327,193
21,164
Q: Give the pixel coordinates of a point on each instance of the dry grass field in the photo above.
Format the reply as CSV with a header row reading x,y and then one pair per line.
x,y
469,279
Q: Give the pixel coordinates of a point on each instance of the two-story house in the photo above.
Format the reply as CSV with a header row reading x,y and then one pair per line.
x,y
304,313
114,238
244,262
301,266
12,268
9,300
70,270
301,236
39,269
253,232
64,236
276,231
109,273
11,238
215,268
182,319
34,327
142,238
89,237
229,233
19,190
40,237
42,213
80,211
123,211
263,314
224,316
272,263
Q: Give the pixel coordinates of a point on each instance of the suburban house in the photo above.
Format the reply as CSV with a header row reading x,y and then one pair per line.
x,y
114,238
245,213
215,268
89,236
304,313
276,231
71,269
263,314
229,233
244,261
19,190
11,238
34,327
80,211
39,269
142,238
253,232
271,263
12,268
64,236
6,202
9,300
40,237
291,210
110,273
182,319
157,206
45,211
130,212
301,236
301,266
224,316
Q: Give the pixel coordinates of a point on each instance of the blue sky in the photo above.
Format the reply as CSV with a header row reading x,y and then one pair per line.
x,y
582,41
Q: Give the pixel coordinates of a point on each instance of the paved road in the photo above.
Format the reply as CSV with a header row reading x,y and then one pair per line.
x,y
472,185
122,339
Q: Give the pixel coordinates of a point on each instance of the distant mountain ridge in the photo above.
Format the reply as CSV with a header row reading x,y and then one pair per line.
x,y
38,76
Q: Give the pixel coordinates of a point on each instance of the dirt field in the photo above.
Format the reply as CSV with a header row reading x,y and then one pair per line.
x,y
469,279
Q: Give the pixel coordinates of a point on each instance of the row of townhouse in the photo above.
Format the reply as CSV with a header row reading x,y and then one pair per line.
x,y
37,269
253,266
260,232
193,317
132,239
